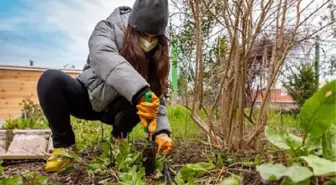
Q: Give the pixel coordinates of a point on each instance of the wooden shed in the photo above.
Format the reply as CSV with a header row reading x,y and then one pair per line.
x,y
17,83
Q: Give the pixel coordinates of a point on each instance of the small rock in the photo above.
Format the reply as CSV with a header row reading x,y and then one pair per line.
x,y
28,143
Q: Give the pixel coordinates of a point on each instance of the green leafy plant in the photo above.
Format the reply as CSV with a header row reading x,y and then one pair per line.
x,y
124,158
124,155
34,178
26,177
274,172
297,174
232,180
8,180
24,123
190,172
103,161
134,176
316,148
11,180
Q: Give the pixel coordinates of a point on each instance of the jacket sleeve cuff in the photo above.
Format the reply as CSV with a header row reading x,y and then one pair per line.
x,y
160,132
139,94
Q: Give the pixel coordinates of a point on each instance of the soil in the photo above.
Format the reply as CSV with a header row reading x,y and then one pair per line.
x,y
184,153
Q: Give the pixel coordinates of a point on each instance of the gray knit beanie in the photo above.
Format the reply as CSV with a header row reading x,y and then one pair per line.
x,y
149,16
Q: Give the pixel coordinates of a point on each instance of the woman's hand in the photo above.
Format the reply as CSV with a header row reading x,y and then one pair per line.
x,y
165,143
147,111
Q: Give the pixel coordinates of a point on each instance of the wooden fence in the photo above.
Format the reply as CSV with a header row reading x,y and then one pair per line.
x,y
18,83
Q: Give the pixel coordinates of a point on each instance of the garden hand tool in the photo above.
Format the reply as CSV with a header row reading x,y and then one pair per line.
x,y
164,140
149,152
167,173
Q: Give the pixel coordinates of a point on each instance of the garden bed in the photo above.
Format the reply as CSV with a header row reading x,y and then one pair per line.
x,y
284,157
185,153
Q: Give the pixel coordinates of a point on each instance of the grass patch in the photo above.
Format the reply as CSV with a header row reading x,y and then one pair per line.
x,y
285,120
182,126
90,133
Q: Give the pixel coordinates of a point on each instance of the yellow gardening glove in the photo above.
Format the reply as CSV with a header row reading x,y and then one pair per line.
x,y
148,111
165,143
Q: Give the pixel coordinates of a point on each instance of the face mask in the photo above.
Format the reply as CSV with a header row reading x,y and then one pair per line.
x,y
147,46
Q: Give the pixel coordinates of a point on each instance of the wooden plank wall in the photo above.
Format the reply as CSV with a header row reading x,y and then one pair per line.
x,y
15,86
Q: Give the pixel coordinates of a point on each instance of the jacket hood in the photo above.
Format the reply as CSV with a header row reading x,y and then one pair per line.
x,y
120,16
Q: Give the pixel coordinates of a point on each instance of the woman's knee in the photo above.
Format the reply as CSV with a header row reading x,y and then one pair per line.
x,y
49,80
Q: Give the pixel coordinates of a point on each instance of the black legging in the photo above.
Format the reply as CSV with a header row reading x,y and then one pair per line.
x,y
60,96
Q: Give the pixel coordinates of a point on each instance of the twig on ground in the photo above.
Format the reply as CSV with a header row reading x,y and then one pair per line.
x,y
234,164
172,171
220,175
177,165
204,179
242,170
213,145
115,175
214,171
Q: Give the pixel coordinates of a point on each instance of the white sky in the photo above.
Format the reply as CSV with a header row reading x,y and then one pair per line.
x,y
75,19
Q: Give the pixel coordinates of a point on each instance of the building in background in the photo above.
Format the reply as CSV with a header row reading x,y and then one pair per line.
x,y
279,99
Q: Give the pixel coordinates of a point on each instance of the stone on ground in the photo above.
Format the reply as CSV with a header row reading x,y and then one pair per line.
x,y
28,143
25,144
